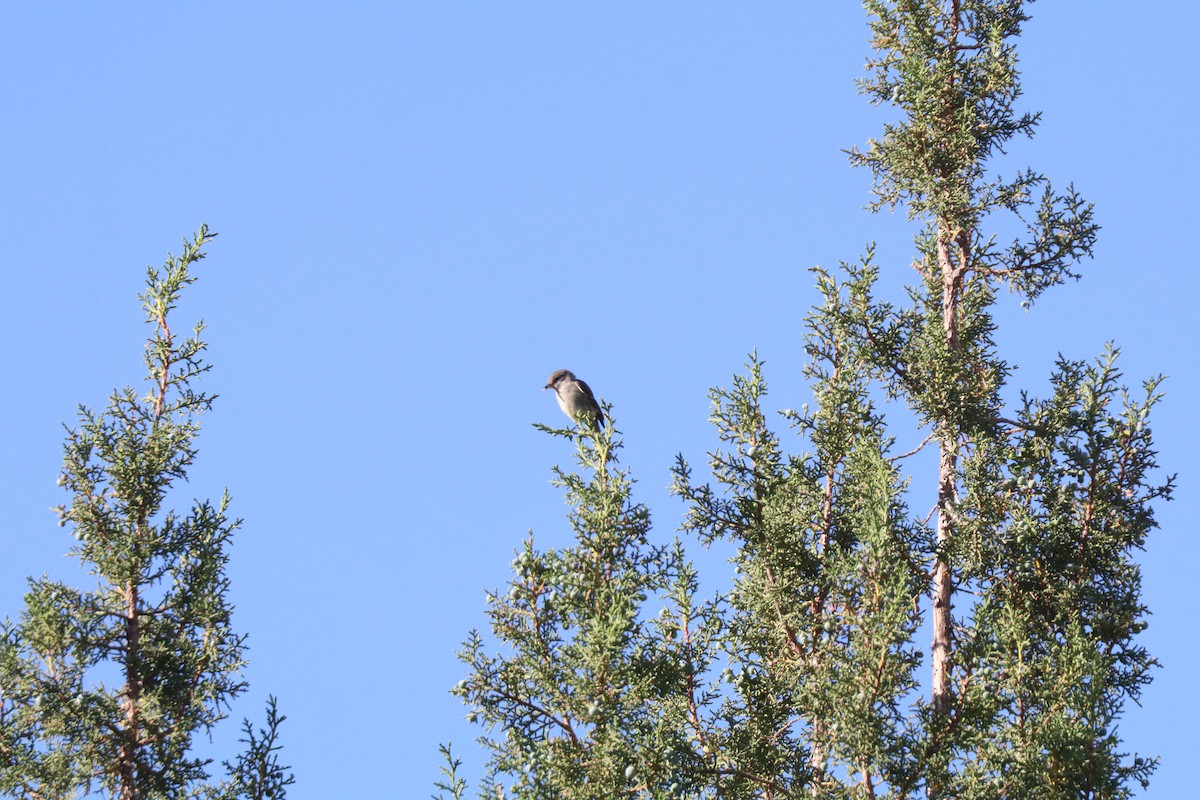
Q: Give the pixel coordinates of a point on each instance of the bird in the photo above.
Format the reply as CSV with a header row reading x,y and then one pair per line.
x,y
575,398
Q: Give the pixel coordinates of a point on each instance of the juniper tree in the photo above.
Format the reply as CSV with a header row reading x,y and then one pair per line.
x,y
1038,508
597,700
809,677
102,690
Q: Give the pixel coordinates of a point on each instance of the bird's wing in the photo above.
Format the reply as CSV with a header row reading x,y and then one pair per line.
x,y
598,423
586,390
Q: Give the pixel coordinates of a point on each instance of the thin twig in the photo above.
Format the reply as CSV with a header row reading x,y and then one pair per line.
x,y
913,452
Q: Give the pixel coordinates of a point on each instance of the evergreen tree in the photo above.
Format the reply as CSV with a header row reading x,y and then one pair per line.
x,y
807,678
102,690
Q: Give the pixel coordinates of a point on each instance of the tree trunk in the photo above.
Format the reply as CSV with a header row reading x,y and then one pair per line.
x,y
133,690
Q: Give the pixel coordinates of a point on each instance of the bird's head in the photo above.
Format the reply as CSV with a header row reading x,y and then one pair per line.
x,y
557,377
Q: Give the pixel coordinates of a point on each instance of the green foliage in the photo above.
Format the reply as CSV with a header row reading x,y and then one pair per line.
x,y
451,782
257,774
802,675
103,690
597,680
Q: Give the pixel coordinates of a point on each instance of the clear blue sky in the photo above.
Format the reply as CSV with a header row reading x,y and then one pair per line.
x,y
425,208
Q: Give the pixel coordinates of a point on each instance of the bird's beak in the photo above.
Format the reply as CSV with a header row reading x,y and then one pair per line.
x,y
544,388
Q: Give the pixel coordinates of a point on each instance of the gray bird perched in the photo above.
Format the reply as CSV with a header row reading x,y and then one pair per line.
x,y
575,398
